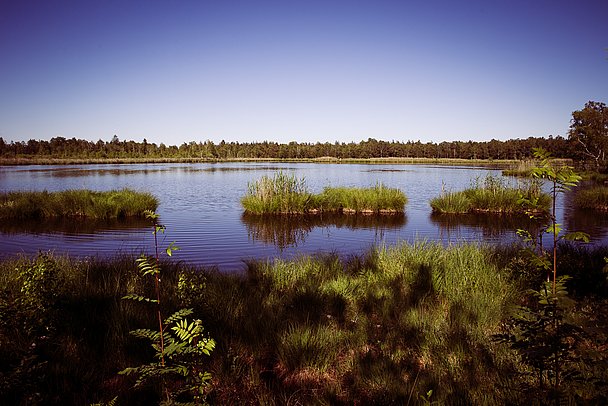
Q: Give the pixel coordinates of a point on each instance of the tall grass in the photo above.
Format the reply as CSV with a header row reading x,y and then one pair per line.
x,y
383,327
491,195
593,198
281,194
398,320
286,194
522,168
376,199
76,203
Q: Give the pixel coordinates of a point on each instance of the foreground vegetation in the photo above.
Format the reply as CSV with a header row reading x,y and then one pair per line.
x,y
491,195
397,325
76,204
286,194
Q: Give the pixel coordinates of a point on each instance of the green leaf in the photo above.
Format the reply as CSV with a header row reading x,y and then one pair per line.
x,y
139,298
172,247
577,236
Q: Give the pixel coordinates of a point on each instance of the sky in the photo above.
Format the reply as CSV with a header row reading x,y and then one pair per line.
x,y
305,71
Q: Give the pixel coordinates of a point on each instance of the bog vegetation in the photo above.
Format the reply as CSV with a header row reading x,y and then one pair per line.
x,y
76,204
285,194
389,326
491,195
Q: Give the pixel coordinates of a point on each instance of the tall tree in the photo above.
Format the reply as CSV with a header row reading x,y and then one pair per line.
x,y
589,129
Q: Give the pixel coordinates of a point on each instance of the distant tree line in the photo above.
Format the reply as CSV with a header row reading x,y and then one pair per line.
x,y
587,139
60,147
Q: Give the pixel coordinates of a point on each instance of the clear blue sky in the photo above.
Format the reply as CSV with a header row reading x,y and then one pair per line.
x,y
306,71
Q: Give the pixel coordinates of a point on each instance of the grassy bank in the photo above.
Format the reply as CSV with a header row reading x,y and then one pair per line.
x,y
286,194
593,198
75,204
524,168
381,328
490,195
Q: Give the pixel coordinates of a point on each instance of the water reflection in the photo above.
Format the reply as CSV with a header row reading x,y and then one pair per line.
x,y
290,231
70,226
492,226
126,170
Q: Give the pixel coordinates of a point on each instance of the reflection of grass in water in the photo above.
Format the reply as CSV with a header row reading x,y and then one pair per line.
x,y
76,204
62,225
490,224
285,230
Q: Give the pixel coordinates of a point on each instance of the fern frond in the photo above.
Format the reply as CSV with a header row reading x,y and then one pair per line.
x,y
178,315
139,298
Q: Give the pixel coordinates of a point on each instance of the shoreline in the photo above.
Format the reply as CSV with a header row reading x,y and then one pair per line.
x,y
496,164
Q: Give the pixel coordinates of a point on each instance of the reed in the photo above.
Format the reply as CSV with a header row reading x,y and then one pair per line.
x,y
520,169
280,194
375,199
491,195
286,194
593,198
76,204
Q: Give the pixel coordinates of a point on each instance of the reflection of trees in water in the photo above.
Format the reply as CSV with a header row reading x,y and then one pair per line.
x,y
592,222
285,230
490,225
70,226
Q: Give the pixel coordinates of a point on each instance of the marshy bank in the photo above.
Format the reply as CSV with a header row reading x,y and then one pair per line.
x,y
383,327
286,194
89,204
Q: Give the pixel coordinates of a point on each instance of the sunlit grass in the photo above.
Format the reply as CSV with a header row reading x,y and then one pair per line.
x,y
592,198
286,194
491,195
76,204
382,327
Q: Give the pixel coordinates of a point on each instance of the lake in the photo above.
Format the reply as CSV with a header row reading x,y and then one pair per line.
x,y
200,206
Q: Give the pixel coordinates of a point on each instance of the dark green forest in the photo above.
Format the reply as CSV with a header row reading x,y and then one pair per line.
x,y
586,141
60,147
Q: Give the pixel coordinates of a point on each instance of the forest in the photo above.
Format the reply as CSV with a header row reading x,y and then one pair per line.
x,y
586,141
60,147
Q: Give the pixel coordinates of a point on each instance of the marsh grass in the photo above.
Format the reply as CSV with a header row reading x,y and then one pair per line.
x,y
76,204
490,195
375,199
593,198
409,318
283,193
286,194
383,327
521,169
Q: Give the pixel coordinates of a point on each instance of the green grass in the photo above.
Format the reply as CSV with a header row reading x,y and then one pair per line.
x,y
593,198
490,195
521,169
75,204
383,327
286,194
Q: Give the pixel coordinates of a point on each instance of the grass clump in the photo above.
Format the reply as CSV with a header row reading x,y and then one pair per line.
x,y
286,194
593,198
76,204
491,195
282,193
376,199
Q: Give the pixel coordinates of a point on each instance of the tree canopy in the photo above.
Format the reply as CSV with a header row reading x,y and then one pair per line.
x,y
589,129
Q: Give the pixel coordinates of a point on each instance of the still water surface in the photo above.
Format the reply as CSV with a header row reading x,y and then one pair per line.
x,y
200,206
